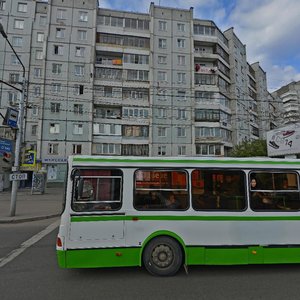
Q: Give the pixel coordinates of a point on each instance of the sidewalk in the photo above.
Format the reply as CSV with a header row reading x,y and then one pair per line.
x,y
31,207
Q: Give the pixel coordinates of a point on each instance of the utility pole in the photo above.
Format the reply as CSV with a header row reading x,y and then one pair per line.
x,y
16,167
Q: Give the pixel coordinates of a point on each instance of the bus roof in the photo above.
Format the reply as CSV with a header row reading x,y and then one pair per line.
x,y
138,161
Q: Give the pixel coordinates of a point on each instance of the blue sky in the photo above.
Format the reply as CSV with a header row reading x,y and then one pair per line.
x,y
269,28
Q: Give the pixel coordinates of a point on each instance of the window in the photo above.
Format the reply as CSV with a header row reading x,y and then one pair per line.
x,y
180,43
77,149
56,87
43,20
161,150
162,94
40,37
35,110
79,70
218,190
22,7
2,5
61,14
54,107
13,98
271,191
83,16
77,129
14,59
37,91
53,148
108,149
181,60
181,150
78,89
78,109
162,59
17,41
82,35
162,132
54,128
60,32
162,43
19,24
14,78
161,76
58,49
56,68
79,51
37,72
162,25
208,149
161,190
162,113
38,54
97,190
181,132
34,130
181,27
181,77
139,75
135,131
181,113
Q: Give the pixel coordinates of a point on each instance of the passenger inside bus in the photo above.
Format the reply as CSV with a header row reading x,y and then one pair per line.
x,y
259,200
172,202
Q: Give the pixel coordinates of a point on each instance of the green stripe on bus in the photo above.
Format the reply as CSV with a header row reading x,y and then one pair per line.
x,y
182,161
183,218
197,255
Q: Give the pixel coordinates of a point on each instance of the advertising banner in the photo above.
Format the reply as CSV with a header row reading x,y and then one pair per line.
x,y
284,141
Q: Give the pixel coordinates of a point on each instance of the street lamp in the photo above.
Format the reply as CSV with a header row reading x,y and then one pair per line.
x,y
16,166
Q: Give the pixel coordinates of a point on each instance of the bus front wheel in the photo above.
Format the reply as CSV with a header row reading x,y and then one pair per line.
x,y
162,256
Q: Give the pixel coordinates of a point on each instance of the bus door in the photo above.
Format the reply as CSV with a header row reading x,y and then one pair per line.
x,y
97,206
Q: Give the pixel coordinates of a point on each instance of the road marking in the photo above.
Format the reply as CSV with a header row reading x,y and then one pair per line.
x,y
16,252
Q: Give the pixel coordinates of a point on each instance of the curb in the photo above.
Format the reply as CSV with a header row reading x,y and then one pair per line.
x,y
29,219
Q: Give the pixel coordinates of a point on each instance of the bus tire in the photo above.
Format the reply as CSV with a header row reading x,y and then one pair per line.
x,y
162,256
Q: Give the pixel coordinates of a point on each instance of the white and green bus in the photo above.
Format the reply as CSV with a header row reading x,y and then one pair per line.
x,y
169,212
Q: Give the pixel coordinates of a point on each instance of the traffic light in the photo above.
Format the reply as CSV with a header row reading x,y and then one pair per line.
x,y
6,157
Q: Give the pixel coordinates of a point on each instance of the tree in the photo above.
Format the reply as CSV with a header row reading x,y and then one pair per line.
x,y
250,148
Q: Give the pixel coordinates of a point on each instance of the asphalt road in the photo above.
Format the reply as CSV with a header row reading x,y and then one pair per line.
x,y
34,274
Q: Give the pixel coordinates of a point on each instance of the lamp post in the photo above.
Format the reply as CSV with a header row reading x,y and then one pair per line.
x,y
16,167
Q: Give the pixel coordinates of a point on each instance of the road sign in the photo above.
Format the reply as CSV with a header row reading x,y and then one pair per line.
x,y
18,176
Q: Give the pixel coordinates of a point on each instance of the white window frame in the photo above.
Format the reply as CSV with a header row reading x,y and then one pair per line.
x,y
61,14
34,130
39,54
77,149
17,41
161,131
162,150
181,150
181,77
162,76
181,132
56,87
54,128
162,43
37,72
79,51
78,109
77,129
59,49
162,59
60,33
54,107
14,59
181,60
40,37
22,7
82,35
162,25
181,27
19,24
56,68
181,43
53,148
83,16
79,70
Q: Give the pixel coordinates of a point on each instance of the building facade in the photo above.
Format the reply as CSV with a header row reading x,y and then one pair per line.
x,y
107,82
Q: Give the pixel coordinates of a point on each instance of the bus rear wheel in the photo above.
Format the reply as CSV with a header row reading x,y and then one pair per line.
x,y
162,256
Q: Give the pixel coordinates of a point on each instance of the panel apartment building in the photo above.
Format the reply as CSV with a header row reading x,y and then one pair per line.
x,y
113,82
